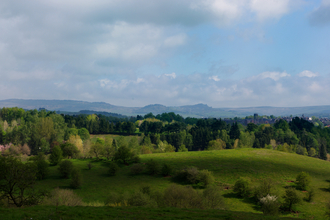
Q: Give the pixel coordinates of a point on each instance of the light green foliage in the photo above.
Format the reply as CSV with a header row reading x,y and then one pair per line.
x,y
312,152
205,178
303,180
56,155
243,187
182,148
301,150
96,149
63,197
217,144
246,139
84,134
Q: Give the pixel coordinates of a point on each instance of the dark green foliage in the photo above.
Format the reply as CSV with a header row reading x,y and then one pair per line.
x,y
152,167
310,195
56,155
303,180
192,175
212,198
16,178
69,150
89,165
205,178
76,179
243,187
42,166
113,168
234,131
265,187
65,168
251,127
270,205
141,199
135,158
323,151
137,168
291,198
166,170
123,154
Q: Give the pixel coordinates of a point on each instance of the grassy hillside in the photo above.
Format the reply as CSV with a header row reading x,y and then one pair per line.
x,y
226,165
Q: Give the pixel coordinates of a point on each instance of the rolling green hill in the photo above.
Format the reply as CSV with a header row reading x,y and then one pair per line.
x,y
226,165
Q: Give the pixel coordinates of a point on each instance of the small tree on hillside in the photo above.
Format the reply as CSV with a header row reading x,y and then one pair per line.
x,y
303,180
123,154
56,155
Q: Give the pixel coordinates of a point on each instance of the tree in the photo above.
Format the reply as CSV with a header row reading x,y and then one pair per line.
x,y
69,150
217,144
242,187
123,154
291,197
96,150
234,131
16,178
83,133
65,168
323,151
76,179
42,166
303,180
56,155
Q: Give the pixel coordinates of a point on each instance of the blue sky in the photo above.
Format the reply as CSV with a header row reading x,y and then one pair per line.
x,y
223,53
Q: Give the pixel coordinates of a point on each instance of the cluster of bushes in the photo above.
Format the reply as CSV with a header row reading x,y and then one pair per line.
x,y
174,196
266,195
67,170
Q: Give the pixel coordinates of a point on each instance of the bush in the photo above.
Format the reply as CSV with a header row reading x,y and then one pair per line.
x,y
212,198
69,150
63,197
113,168
266,187
182,148
303,180
115,199
166,170
141,199
205,178
56,155
242,187
137,168
76,179
136,159
310,195
291,197
42,166
182,197
152,167
270,205
65,168
89,165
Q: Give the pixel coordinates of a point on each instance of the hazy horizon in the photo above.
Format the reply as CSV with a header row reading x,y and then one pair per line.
x,y
222,53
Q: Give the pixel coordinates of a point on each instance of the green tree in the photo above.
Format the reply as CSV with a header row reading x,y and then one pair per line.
x,y
76,179
323,151
97,150
16,178
303,180
84,134
291,198
69,150
234,131
56,155
41,165
65,168
242,187
123,154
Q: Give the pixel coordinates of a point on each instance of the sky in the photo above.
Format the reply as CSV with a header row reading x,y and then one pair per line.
x,y
223,53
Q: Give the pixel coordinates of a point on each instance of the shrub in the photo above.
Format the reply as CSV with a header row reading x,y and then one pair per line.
x,y
41,165
182,197
56,155
270,205
113,168
212,198
166,170
146,190
192,175
136,168
205,178
152,167
140,199
123,154
310,195
182,148
303,180
76,179
291,197
65,168
89,165
136,159
115,199
63,197
242,187
266,187
69,150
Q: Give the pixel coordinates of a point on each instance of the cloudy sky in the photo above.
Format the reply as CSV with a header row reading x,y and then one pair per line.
x,y
224,53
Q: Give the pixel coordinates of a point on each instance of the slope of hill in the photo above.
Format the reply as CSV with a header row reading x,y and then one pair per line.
x,y
226,165
198,110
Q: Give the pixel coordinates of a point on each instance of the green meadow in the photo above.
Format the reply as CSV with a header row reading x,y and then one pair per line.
x,y
226,165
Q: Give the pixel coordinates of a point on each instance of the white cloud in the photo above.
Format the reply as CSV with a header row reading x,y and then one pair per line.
x,y
215,78
307,73
269,9
273,75
171,75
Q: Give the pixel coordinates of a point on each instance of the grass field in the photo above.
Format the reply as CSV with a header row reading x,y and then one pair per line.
x,y
226,165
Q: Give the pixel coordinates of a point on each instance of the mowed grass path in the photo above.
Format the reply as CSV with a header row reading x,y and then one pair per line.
x,y
226,165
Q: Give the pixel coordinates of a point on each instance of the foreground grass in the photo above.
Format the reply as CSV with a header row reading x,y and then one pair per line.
x,y
226,165
47,212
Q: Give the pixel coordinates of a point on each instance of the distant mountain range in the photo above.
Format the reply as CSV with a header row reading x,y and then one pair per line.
x,y
199,110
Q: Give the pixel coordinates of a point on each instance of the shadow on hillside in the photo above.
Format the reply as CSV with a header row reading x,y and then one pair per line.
x,y
251,201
